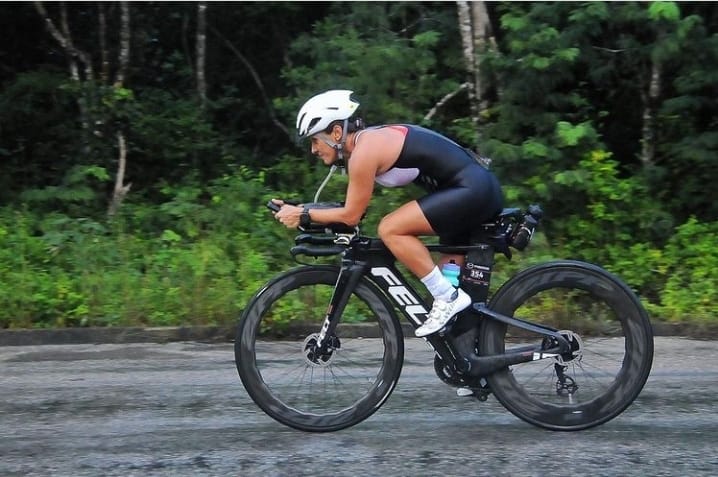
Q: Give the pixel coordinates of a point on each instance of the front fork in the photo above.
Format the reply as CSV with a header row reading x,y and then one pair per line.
x,y
349,275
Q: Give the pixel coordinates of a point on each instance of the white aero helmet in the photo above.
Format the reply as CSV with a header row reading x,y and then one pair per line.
x,y
321,110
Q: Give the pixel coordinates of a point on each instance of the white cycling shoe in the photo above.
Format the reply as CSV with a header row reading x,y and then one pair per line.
x,y
442,312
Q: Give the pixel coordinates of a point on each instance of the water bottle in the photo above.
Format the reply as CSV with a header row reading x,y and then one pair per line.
x,y
524,231
451,271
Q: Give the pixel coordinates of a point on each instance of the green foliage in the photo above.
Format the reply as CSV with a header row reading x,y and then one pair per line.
x,y
687,124
612,213
616,223
352,48
201,268
172,140
689,266
36,139
78,191
571,135
664,10
543,120
568,104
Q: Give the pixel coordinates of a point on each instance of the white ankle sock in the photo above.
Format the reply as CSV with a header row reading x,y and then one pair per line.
x,y
438,285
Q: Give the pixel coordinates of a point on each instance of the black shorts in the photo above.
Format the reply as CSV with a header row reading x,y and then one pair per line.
x,y
473,198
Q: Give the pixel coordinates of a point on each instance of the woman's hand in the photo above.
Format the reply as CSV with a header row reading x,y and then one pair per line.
x,y
288,215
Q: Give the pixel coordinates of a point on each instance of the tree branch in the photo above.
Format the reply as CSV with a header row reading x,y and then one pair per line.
x,y
84,58
61,39
445,99
257,81
73,54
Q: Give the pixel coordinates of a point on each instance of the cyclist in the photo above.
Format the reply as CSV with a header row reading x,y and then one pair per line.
x,y
461,193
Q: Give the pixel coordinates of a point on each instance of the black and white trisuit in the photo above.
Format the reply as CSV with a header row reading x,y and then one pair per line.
x,y
462,194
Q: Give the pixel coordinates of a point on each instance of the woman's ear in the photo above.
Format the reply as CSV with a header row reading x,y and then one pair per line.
x,y
337,133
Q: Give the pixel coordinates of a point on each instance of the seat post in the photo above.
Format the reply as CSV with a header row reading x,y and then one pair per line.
x,y
476,272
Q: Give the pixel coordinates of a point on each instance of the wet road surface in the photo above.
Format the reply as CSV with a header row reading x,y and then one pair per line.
x,y
179,409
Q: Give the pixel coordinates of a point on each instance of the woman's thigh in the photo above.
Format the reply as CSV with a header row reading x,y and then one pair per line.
x,y
409,219
456,211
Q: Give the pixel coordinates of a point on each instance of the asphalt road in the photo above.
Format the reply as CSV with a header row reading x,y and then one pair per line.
x,y
179,409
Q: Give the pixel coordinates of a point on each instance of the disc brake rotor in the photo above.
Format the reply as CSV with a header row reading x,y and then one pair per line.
x,y
314,356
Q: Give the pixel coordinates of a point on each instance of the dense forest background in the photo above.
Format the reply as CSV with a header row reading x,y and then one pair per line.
x,y
139,141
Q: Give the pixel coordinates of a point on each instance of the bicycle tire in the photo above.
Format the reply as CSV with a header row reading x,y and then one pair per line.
x,y
612,331
312,394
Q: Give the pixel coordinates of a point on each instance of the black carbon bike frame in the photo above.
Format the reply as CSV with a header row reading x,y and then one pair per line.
x,y
370,258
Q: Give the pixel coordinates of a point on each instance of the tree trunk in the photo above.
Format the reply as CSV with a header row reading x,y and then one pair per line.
x,y
201,49
476,38
648,133
104,55
79,61
74,55
123,60
467,43
121,189
483,40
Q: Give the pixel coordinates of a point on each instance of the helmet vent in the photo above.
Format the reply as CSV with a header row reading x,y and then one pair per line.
x,y
312,123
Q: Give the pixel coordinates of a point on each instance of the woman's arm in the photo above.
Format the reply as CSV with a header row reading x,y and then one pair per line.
x,y
377,151
362,172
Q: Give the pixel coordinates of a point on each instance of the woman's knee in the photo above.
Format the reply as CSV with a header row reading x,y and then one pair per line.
x,y
385,230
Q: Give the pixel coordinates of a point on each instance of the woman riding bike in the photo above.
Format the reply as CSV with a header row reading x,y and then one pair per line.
x,y
461,193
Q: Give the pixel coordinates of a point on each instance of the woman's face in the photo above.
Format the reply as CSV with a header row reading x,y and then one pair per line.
x,y
322,149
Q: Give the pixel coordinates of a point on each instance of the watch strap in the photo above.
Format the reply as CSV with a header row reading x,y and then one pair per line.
x,y
304,218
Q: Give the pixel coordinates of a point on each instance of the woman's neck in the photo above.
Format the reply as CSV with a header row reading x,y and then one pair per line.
x,y
351,142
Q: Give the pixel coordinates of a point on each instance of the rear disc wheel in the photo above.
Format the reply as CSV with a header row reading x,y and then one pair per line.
x,y
610,338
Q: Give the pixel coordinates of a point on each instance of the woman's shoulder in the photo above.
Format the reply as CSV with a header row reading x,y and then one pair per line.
x,y
380,145
385,131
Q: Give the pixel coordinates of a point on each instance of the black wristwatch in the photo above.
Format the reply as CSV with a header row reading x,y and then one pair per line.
x,y
304,219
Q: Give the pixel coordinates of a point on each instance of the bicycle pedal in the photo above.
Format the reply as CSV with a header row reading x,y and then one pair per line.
x,y
464,392
447,327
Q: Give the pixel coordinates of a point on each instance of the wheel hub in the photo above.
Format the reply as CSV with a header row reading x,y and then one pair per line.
x,y
314,355
576,351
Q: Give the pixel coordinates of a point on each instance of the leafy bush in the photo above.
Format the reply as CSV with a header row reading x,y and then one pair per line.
x,y
209,258
689,266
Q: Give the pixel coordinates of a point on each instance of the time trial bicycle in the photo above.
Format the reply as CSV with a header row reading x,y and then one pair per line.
x,y
564,345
